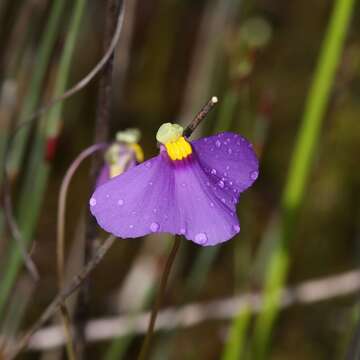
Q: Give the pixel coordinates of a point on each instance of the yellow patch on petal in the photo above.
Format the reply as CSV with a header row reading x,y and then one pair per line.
x,y
179,149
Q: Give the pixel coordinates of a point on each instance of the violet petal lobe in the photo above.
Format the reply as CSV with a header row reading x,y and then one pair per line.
x,y
229,158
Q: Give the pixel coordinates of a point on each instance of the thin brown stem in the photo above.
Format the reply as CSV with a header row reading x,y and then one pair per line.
x,y
62,206
102,125
200,116
146,344
61,297
60,238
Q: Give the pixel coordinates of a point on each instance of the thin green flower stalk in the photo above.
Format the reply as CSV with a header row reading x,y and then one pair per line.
x,y
34,91
300,167
39,169
235,344
31,100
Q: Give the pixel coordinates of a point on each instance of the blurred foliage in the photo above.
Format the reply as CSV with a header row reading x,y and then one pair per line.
x,y
258,57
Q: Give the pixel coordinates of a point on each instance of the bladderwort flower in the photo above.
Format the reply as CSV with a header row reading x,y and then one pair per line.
x,y
190,189
122,155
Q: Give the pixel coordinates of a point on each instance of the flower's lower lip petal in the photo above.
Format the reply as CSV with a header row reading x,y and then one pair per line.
x,y
207,212
160,196
138,202
228,158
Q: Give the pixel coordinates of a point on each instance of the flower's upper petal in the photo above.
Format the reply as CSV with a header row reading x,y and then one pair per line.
x,y
161,195
229,159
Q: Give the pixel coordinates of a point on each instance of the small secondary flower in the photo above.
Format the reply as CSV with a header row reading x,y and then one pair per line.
x,y
190,189
121,155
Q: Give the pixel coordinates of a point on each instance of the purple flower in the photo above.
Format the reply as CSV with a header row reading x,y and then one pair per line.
x,y
121,156
190,188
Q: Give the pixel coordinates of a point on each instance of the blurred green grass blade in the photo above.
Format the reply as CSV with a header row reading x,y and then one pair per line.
x,y
227,111
34,187
34,90
235,344
300,167
14,258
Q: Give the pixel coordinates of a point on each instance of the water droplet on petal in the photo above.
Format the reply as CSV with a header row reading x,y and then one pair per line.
x,y
133,213
226,174
218,143
182,231
221,184
208,183
212,204
154,227
201,238
236,228
253,175
131,226
107,196
213,171
230,183
92,202
148,164
223,200
230,151
121,202
155,210
183,184
227,167
150,183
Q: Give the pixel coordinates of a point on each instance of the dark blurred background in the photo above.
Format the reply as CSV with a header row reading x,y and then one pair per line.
x,y
259,58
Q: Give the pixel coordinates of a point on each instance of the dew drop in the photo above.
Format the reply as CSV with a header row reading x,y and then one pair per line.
x,y
218,143
221,184
201,238
121,202
131,226
253,175
212,204
92,201
236,228
133,213
107,196
148,164
208,183
183,185
226,174
230,151
150,183
182,231
155,210
213,171
227,167
230,183
223,200
154,227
